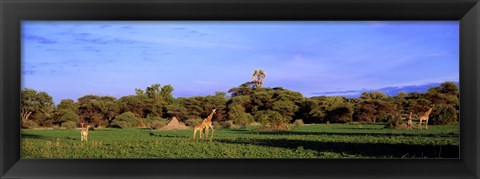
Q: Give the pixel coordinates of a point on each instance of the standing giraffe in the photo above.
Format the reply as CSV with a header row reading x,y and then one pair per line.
x,y
208,124
424,117
199,128
84,133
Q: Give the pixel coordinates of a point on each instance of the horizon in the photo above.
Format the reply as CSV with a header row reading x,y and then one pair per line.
x,y
70,59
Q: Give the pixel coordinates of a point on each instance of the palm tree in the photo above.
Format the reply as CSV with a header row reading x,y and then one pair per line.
x,y
258,77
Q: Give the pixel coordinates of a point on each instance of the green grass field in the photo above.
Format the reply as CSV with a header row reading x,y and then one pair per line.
x,y
309,141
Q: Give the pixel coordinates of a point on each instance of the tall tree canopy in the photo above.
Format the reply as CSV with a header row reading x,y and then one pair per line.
x,y
37,104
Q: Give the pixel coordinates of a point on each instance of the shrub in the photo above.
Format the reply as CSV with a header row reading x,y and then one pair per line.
x,y
226,124
126,120
28,124
47,123
394,122
193,122
156,122
238,115
67,115
69,125
119,124
102,124
272,120
298,123
443,114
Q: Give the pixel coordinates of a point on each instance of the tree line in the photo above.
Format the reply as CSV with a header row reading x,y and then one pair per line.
x,y
242,105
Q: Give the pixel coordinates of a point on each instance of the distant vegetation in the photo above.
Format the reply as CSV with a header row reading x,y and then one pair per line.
x,y
247,103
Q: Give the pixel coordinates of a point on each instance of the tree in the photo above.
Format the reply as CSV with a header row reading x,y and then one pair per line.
x,y
444,114
285,108
237,114
133,103
155,98
243,89
89,108
193,106
166,93
37,104
109,107
126,120
64,115
67,104
217,101
258,77
176,110
341,114
272,120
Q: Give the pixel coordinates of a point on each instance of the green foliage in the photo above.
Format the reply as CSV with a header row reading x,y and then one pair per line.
x,y
444,114
272,120
65,115
285,108
193,122
274,106
298,123
69,125
67,104
29,124
135,104
155,122
373,95
126,120
309,141
394,122
35,106
103,124
226,124
176,110
238,116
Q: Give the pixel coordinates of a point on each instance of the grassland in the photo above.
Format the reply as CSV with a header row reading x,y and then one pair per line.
x,y
309,141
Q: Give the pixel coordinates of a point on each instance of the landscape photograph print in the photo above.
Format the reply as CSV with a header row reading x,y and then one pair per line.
x,y
240,89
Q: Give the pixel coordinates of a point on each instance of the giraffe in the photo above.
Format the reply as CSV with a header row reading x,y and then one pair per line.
x,y
424,117
208,124
84,133
199,128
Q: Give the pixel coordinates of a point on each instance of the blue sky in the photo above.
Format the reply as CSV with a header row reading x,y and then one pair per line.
x,y
69,59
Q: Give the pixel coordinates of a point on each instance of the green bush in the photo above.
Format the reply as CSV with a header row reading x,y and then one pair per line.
x,y
103,124
28,124
298,123
226,124
394,122
69,125
154,122
443,114
193,122
48,123
68,115
272,120
126,120
238,116
157,124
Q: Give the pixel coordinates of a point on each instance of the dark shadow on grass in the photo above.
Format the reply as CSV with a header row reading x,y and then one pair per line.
x,y
377,150
168,135
238,130
350,134
33,136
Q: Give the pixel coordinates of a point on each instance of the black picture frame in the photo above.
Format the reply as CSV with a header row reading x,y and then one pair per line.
x,y
12,12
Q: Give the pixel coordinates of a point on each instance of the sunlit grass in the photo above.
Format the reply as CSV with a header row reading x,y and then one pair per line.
x,y
309,141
